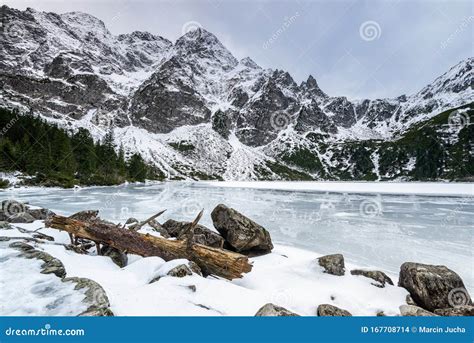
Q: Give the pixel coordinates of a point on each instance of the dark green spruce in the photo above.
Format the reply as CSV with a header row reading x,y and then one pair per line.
x,y
56,157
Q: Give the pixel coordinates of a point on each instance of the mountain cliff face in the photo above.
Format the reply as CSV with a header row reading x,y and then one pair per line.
x,y
194,110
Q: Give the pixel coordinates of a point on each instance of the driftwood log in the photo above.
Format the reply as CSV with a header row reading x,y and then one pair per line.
x,y
219,262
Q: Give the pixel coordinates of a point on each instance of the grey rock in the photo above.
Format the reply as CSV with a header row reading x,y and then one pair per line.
x,y
51,265
185,270
415,311
40,213
327,310
272,310
409,300
85,216
181,270
117,256
23,217
240,232
376,275
433,287
202,235
131,221
332,264
466,310
96,297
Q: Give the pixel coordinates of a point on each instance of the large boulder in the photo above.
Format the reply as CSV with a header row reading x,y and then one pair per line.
x,y
415,311
332,264
433,287
326,310
202,235
241,233
271,310
380,277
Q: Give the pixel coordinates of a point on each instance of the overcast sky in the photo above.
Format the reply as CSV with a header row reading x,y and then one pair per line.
x,y
370,49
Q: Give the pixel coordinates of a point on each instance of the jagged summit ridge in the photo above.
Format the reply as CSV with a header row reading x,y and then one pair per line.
x,y
69,68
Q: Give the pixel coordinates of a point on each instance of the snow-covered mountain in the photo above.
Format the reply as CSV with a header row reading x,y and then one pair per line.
x,y
194,110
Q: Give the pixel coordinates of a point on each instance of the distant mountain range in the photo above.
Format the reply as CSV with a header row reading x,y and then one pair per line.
x,y
195,111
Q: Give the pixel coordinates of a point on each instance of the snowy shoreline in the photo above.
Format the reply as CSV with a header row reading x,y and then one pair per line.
x,y
393,188
289,277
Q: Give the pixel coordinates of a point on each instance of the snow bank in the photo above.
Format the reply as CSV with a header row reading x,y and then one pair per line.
x,y
288,277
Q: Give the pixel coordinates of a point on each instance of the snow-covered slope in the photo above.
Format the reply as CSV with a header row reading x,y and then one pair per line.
x,y
190,106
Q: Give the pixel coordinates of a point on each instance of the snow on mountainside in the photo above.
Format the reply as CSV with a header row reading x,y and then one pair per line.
x,y
194,110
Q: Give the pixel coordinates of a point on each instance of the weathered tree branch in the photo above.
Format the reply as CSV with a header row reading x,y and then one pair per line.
x,y
220,262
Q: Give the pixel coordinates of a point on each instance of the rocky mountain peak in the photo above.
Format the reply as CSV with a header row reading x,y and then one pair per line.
x,y
248,62
84,23
311,87
200,43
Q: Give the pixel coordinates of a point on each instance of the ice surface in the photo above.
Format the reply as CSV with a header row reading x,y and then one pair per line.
x,y
373,230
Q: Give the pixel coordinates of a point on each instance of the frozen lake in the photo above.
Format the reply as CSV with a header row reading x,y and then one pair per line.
x,y
374,230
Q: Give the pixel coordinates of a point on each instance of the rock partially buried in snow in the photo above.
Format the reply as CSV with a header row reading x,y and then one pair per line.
x,y
326,310
332,264
271,310
433,287
23,217
118,257
202,235
415,311
181,270
457,311
241,233
51,265
376,275
96,297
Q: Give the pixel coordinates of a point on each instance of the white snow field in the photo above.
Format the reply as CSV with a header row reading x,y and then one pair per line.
x,y
375,231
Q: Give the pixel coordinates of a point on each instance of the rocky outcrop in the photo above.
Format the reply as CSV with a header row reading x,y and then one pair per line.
x,y
415,311
433,287
380,277
241,233
202,235
332,264
272,310
326,310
